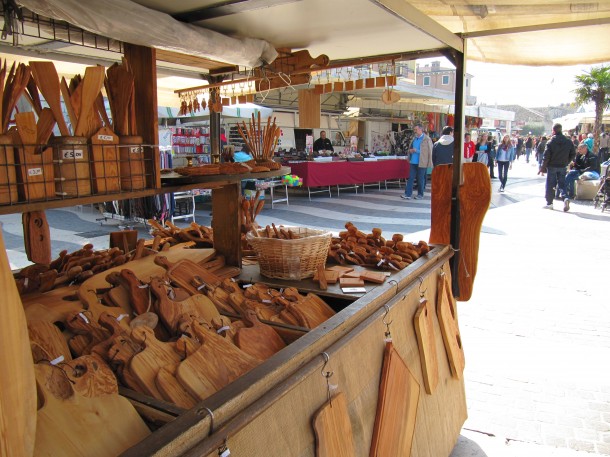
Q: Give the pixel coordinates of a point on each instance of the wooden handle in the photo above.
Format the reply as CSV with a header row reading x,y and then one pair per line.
x,y
162,261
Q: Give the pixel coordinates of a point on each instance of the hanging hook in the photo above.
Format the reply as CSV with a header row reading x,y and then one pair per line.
x,y
387,334
421,283
327,375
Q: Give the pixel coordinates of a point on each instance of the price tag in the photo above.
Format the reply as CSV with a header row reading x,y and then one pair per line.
x,y
34,171
353,290
135,149
75,154
105,137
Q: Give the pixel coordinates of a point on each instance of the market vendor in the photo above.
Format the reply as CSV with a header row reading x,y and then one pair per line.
x,y
322,143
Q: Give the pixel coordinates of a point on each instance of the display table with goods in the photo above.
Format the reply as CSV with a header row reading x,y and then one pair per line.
x,y
337,173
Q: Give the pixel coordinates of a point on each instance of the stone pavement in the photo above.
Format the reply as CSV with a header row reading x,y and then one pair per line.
x,y
536,331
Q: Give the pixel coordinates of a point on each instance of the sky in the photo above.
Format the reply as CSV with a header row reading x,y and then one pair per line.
x,y
531,87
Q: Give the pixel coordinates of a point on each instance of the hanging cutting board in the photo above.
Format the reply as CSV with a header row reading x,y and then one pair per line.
x,y
91,377
426,342
447,319
49,337
215,364
38,235
396,408
105,166
475,197
146,364
440,207
18,392
333,429
183,272
258,339
72,425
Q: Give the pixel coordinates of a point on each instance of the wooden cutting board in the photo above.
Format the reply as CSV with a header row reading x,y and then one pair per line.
x,y
440,206
172,390
215,364
38,235
396,408
146,364
333,429
426,342
447,318
475,197
92,302
105,166
169,311
259,340
91,377
48,336
72,425
18,392
183,272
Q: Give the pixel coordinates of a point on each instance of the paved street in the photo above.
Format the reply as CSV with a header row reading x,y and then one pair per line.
x,y
536,331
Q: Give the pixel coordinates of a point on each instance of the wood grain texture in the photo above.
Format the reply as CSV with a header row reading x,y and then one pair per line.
x,y
259,340
396,408
447,318
309,109
227,223
18,392
105,157
72,425
440,207
146,364
183,272
48,336
170,312
333,429
47,80
426,342
172,390
91,376
36,229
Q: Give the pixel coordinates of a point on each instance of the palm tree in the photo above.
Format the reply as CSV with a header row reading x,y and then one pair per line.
x,y
594,86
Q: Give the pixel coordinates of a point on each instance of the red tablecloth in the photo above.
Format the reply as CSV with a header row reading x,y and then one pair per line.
x,y
331,173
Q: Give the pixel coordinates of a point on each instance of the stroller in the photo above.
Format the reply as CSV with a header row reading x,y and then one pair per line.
x,y
602,198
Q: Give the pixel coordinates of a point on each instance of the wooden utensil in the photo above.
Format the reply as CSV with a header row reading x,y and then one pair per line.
x,y
45,125
215,364
183,271
65,93
139,296
105,156
18,392
119,87
146,364
426,342
259,340
47,80
37,232
89,121
447,319
71,425
396,408
333,429
440,217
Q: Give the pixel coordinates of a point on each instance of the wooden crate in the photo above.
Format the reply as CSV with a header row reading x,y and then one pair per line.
x,y
8,171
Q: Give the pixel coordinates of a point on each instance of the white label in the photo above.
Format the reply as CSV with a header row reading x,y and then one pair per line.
x,y
135,149
225,453
353,290
83,317
72,154
245,286
57,360
34,171
267,301
120,317
105,137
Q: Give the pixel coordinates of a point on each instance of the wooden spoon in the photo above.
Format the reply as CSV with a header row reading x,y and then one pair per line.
x,y
92,85
47,81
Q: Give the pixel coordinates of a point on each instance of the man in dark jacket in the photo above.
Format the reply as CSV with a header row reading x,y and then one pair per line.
x,y
559,152
442,152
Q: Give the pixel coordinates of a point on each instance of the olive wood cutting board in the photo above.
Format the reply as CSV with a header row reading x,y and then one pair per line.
x,y
91,376
172,390
333,429
37,237
146,364
72,425
396,408
447,319
215,364
18,392
259,340
49,337
183,272
51,306
169,311
426,342
475,197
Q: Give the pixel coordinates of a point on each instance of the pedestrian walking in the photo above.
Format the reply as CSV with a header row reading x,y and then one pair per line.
x,y
491,156
540,150
505,155
420,158
529,144
559,152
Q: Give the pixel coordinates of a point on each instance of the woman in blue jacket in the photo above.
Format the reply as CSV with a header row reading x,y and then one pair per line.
x,y
505,154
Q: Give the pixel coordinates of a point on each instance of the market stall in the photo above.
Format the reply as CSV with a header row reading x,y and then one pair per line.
x,y
334,173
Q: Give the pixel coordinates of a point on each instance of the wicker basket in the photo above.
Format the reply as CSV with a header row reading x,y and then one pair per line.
x,y
291,259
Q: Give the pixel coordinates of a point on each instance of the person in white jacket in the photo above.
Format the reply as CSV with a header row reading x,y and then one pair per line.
x,y
442,152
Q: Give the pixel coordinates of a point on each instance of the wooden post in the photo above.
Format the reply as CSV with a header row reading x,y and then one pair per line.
x,y
143,64
309,109
226,223
215,143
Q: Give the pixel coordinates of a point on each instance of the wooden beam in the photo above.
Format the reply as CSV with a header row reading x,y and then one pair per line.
x,y
227,8
226,223
421,21
188,60
536,28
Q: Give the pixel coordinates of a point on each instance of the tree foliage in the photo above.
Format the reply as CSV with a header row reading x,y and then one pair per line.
x,y
594,87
